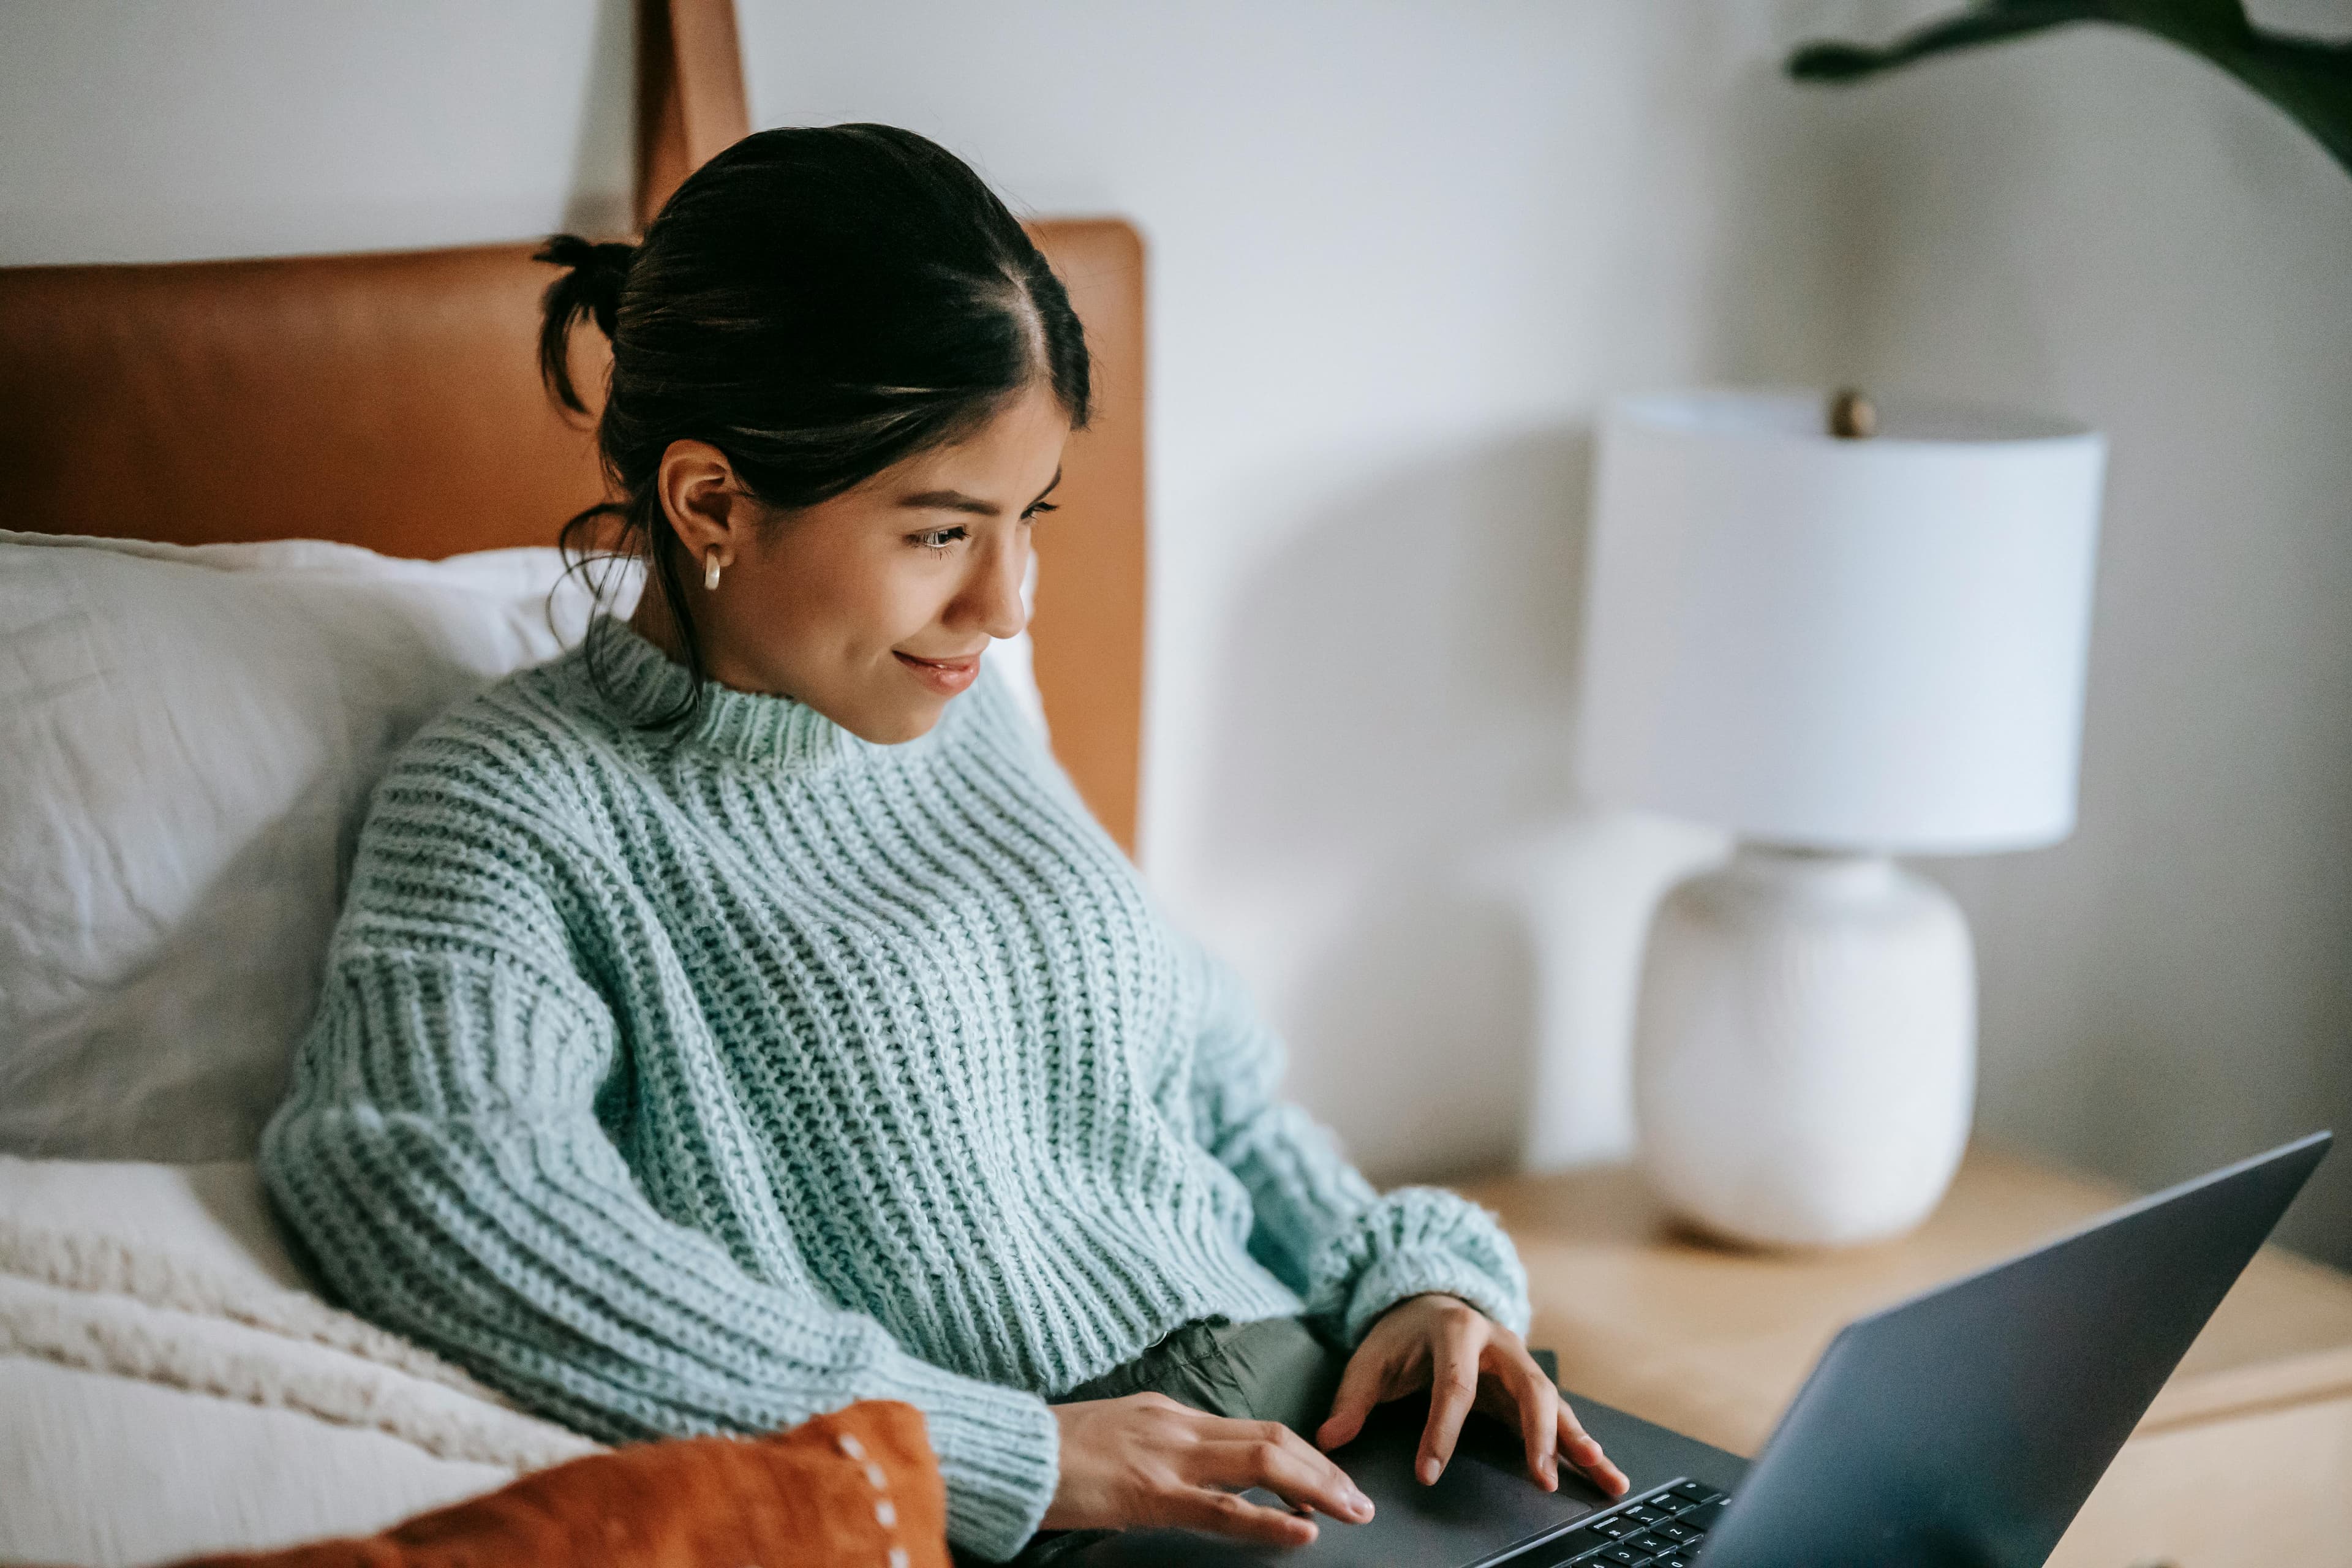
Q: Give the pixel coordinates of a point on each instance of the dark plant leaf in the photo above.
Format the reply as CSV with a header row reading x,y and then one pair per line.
x,y
2310,80
1846,62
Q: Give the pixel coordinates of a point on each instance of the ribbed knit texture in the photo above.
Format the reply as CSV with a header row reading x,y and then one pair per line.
x,y
708,1083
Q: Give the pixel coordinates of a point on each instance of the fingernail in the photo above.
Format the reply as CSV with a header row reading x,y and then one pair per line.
x,y
1363,1504
1429,1468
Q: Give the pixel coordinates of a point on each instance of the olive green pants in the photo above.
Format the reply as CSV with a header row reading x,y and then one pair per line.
x,y
1278,1370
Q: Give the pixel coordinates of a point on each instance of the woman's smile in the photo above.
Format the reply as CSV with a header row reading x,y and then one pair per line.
x,y
945,676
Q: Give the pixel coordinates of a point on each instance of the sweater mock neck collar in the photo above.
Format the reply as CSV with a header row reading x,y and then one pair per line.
x,y
775,735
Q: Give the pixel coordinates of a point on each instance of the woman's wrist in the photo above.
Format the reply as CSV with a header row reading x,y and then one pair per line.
x,y
1416,1241
1450,1297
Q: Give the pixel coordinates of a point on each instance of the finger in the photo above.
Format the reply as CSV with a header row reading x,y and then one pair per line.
x,y
1453,1384
1539,1408
1583,1451
1272,1456
1225,1513
1360,1390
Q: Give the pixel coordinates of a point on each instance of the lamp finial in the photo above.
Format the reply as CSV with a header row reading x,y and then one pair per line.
x,y
1851,418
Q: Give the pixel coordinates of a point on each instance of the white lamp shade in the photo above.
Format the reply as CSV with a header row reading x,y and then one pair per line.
x,y
1874,644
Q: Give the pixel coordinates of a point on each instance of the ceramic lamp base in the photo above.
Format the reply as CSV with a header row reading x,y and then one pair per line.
x,y
1804,1064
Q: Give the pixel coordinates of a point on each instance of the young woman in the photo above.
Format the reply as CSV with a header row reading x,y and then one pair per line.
x,y
741,1015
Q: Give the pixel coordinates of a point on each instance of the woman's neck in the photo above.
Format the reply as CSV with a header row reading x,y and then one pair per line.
x,y
652,621
655,621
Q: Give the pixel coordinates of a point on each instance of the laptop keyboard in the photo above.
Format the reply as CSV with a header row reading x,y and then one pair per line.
x,y
1663,1530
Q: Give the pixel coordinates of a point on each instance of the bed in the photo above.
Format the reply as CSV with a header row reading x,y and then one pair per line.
x,y
265,516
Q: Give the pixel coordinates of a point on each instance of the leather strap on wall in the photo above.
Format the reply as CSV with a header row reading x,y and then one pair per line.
x,y
690,98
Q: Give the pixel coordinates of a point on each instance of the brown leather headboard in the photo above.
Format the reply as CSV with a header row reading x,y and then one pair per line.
x,y
392,401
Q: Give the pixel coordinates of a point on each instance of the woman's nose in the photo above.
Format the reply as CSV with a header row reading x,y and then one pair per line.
x,y
993,598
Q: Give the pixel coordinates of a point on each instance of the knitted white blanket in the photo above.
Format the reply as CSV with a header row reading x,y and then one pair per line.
x,y
207,1316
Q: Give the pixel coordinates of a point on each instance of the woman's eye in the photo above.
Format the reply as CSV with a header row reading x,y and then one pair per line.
x,y
939,538
1038,510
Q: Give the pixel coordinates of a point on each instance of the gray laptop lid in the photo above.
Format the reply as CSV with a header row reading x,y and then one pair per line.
x,y
1966,1426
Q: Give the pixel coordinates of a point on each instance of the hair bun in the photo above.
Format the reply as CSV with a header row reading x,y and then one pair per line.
x,y
591,286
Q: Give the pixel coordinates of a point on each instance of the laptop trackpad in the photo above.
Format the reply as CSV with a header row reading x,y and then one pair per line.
x,y
1483,1505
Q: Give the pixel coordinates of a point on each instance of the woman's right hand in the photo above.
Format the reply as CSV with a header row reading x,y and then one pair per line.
x,y
1146,1460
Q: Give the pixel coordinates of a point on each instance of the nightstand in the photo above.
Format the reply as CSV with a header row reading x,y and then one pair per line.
x,y
2245,1459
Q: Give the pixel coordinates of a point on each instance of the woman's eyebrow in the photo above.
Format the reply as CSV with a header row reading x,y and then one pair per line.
x,y
958,500
948,501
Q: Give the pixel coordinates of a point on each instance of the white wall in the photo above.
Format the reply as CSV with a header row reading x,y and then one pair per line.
x,y
1399,252
132,131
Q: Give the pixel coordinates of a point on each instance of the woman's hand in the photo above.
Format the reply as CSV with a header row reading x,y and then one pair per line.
x,y
1146,1459
1466,1360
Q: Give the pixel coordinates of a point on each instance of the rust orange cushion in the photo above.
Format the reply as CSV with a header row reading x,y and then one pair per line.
x,y
858,1487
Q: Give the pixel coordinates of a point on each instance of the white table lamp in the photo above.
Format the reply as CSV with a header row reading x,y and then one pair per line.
x,y
1839,647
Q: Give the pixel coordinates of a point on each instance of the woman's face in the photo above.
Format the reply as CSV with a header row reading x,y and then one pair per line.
x,y
874,607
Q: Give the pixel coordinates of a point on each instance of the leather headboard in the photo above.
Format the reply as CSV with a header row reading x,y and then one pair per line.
x,y
394,401
391,401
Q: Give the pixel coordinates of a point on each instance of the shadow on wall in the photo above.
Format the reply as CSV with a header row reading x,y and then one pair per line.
x,y
1395,766
1405,664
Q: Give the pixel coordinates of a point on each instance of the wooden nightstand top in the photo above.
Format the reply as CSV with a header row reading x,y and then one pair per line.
x,y
1714,1341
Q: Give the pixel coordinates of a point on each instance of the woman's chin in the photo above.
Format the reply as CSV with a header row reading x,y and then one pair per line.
x,y
900,722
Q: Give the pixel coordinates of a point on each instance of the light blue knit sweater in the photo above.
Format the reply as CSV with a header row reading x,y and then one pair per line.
x,y
707,1086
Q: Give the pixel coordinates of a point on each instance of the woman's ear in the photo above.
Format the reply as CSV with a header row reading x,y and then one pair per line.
x,y
705,508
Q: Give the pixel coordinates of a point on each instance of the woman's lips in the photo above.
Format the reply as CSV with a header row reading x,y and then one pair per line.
x,y
945,676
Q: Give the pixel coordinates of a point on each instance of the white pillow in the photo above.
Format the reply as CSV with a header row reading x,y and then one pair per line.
x,y
187,741
167,1388
187,738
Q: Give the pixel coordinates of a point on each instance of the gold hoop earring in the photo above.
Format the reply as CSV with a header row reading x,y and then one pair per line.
x,y
710,568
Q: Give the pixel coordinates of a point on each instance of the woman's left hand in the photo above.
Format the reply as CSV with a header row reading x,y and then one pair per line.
x,y
1466,1360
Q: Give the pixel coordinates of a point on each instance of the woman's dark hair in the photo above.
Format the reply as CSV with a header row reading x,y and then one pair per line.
x,y
817,304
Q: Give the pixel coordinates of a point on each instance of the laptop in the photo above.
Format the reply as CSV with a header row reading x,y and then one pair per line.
x,y
1960,1429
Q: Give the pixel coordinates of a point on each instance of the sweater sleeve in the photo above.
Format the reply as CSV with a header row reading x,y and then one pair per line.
x,y
1351,1253
443,1157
